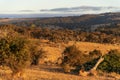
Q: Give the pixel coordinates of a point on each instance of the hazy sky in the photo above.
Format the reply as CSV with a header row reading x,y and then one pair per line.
x,y
15,6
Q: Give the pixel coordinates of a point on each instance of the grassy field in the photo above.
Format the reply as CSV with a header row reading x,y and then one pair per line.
x,y
56,73
54,52
50,72
44,72
87,46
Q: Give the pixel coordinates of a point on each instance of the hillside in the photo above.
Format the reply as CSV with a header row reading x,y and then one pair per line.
x,y
84,22
60,40
34,50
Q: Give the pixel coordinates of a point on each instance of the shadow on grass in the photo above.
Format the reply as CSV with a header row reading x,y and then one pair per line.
x,y
56,69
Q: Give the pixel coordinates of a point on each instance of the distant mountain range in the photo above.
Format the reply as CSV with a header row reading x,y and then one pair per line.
x,y
61,12
83,10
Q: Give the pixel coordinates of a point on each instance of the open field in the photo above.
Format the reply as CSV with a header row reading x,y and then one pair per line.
x,y
11,20
56,73
54,52
87,46
52,72
44,72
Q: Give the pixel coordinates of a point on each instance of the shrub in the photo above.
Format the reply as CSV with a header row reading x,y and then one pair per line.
x,y
93,58
35,55
111,62
14,53
36,52
74,57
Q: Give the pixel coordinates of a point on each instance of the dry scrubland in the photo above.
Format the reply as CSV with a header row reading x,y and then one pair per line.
x,y
53,52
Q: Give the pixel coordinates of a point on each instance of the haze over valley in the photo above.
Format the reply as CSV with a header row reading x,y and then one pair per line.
x,y
59,12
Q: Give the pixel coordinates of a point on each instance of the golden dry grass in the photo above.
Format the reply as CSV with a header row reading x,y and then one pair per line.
x,y
88,46
45,72
56,73
54,52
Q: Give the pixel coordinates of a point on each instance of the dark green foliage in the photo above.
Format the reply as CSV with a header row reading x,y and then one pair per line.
x,y
111,62
14,53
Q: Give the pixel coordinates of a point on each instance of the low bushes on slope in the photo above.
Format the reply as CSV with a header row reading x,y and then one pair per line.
x,y
72,56
111,62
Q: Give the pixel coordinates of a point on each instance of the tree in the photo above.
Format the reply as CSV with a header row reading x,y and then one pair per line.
x,y
14,53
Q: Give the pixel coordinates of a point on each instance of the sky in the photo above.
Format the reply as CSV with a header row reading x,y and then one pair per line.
x,y
34,6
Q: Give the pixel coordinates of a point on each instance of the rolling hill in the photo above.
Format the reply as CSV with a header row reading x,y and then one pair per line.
x,y
86,22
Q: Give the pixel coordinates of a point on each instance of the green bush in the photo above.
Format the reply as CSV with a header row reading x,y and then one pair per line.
x,y
14,53
111,62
